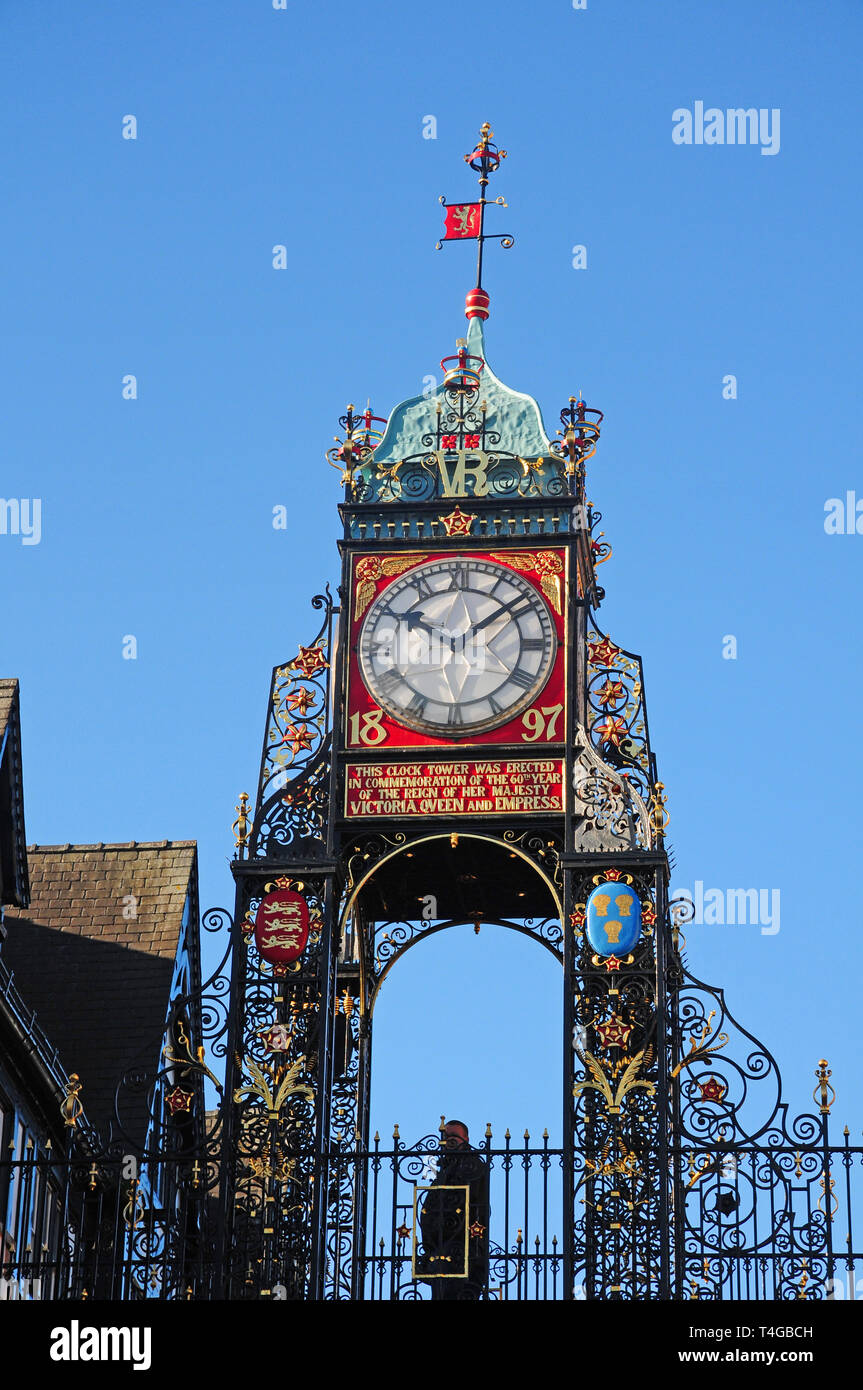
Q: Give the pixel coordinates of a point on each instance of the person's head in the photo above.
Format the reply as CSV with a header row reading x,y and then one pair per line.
x,y
455,1134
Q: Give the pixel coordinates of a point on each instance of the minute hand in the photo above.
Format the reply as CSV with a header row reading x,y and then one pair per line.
x,y
493,617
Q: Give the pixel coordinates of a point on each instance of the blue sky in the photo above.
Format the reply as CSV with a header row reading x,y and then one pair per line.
x,y
303,127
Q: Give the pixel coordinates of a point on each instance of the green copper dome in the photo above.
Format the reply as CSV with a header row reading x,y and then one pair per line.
x,y
512,417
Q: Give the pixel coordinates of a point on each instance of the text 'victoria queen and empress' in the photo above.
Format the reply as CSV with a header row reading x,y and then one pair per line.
x,y
442,789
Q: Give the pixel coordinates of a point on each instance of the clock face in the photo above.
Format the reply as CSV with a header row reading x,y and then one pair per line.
x,y
457,647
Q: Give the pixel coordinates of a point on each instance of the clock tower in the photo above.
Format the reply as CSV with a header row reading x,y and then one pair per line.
x,y
461,742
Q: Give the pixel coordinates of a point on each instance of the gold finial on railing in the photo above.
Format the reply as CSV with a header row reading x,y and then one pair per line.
x,y
824,1092
70,1106
241,824
828,1195
658,814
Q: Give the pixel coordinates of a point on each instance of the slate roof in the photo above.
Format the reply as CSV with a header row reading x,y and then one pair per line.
x,y
8,691
13,855
100,981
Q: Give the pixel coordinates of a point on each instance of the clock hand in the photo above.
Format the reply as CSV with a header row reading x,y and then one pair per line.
x,y
415,620
493,617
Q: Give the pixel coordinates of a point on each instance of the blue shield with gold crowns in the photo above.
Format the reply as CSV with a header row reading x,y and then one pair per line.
x,y
613,919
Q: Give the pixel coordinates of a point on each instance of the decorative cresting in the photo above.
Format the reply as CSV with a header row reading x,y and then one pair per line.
x,y
609,811
293,788
362,437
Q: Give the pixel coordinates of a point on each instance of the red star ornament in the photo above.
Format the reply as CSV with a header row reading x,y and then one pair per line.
x,y
300,700
298,736
179,1101
603,653
458,523
611,693
611,730
614,1033
310,660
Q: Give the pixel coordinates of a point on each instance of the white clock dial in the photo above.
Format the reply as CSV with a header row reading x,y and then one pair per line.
x,y
457,646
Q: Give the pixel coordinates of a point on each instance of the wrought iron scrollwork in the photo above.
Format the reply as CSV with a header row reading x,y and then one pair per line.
x,y
617,715
293,788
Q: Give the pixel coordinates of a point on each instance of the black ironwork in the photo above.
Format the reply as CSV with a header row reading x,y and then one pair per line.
x,y
688,1177
679,1174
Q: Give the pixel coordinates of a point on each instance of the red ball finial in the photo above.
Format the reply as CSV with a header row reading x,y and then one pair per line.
x,y
476,304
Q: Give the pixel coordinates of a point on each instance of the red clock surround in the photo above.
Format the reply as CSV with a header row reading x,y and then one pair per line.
x,y
370,728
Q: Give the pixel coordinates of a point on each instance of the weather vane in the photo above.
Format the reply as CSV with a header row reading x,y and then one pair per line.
x,y
466,221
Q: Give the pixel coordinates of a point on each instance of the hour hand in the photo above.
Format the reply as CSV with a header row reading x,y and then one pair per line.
x,y
415,620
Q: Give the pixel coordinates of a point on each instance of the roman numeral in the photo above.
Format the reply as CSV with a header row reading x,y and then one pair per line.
x,y
417,705
496,708
533,644
454,716
519,677
423,588
389,681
